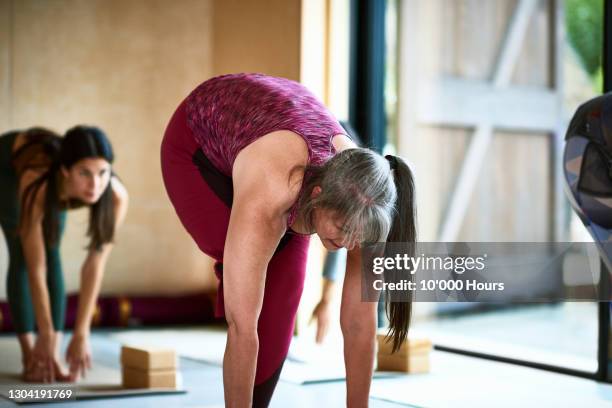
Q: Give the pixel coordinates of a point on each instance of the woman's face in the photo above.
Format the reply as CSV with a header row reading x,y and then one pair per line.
x,y
328,226
87,179
329,229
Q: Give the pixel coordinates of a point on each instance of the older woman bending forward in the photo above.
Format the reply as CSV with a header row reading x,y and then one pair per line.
x,y
254,165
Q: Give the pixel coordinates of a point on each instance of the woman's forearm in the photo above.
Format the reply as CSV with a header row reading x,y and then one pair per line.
x,y
327,293
32,242
91,278
359,349
358,322
239,365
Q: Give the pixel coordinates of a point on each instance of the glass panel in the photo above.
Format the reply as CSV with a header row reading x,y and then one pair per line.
x,y
486,89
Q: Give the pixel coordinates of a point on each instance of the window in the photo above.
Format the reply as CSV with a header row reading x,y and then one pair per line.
x,y
484,94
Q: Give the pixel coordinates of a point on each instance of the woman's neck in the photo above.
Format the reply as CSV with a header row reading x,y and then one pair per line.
x,y
299,226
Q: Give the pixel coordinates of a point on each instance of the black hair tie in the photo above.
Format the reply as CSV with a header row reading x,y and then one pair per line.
x,y
392,161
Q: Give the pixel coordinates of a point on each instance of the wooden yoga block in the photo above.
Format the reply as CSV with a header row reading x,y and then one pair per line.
x,y
135,378
407,364
410,346
148,358
412,356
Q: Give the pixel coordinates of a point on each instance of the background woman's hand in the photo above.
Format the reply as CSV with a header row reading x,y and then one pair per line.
x,y
321,314
43,354
78,356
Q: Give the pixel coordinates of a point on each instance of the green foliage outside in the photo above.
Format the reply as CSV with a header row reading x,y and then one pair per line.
x,y
584,22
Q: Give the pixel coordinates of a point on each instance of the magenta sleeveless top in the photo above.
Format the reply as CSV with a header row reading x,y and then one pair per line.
x,y
229,112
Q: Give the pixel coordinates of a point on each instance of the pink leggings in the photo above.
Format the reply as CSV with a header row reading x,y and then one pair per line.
x,y
202,196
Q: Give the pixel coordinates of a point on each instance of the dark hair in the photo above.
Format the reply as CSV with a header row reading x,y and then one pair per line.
x,y
403,230
80,142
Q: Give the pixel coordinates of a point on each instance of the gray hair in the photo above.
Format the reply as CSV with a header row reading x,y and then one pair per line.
x,y
358,186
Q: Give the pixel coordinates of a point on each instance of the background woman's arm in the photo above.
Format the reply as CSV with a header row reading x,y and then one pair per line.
x,y
322,310
93,268
358,323
32,241
92,271
33,244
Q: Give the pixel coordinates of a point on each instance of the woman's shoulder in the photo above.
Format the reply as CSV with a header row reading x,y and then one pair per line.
x,y
272,167
120,199
120,192
34,195
34,151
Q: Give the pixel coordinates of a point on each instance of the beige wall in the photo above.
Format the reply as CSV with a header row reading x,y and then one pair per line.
x,y
257,36
124,66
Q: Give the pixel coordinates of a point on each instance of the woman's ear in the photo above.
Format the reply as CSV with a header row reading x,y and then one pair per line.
x,y
64,171
315,191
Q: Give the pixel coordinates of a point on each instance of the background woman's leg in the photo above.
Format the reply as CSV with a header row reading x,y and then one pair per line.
x,y
57,297
55,281
19,297
18,290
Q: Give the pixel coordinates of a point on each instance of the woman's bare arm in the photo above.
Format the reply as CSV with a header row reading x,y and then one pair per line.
x,y
78,354
358,322
33,244
253,234
93,268
258,218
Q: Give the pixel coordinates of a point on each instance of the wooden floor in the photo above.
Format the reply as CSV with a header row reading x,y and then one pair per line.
x,y
455,380
204,386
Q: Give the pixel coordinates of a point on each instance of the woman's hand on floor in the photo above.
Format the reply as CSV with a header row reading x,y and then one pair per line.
x,y
78,356
43,354
35,376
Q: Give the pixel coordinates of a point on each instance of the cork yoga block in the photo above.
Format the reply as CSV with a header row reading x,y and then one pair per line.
x,y
148,358
135,378
408,347
412,356
407,364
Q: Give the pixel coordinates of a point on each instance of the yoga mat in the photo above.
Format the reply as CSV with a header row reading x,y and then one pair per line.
x,y
463,381
102,381
208,345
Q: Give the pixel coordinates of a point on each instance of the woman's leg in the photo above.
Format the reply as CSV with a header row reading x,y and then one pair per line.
x,y
55,280
19,298
57,298
20,303
202,198
18,290
203,214
284,285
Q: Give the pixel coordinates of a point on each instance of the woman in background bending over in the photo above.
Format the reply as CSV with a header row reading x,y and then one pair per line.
x,y
41,176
